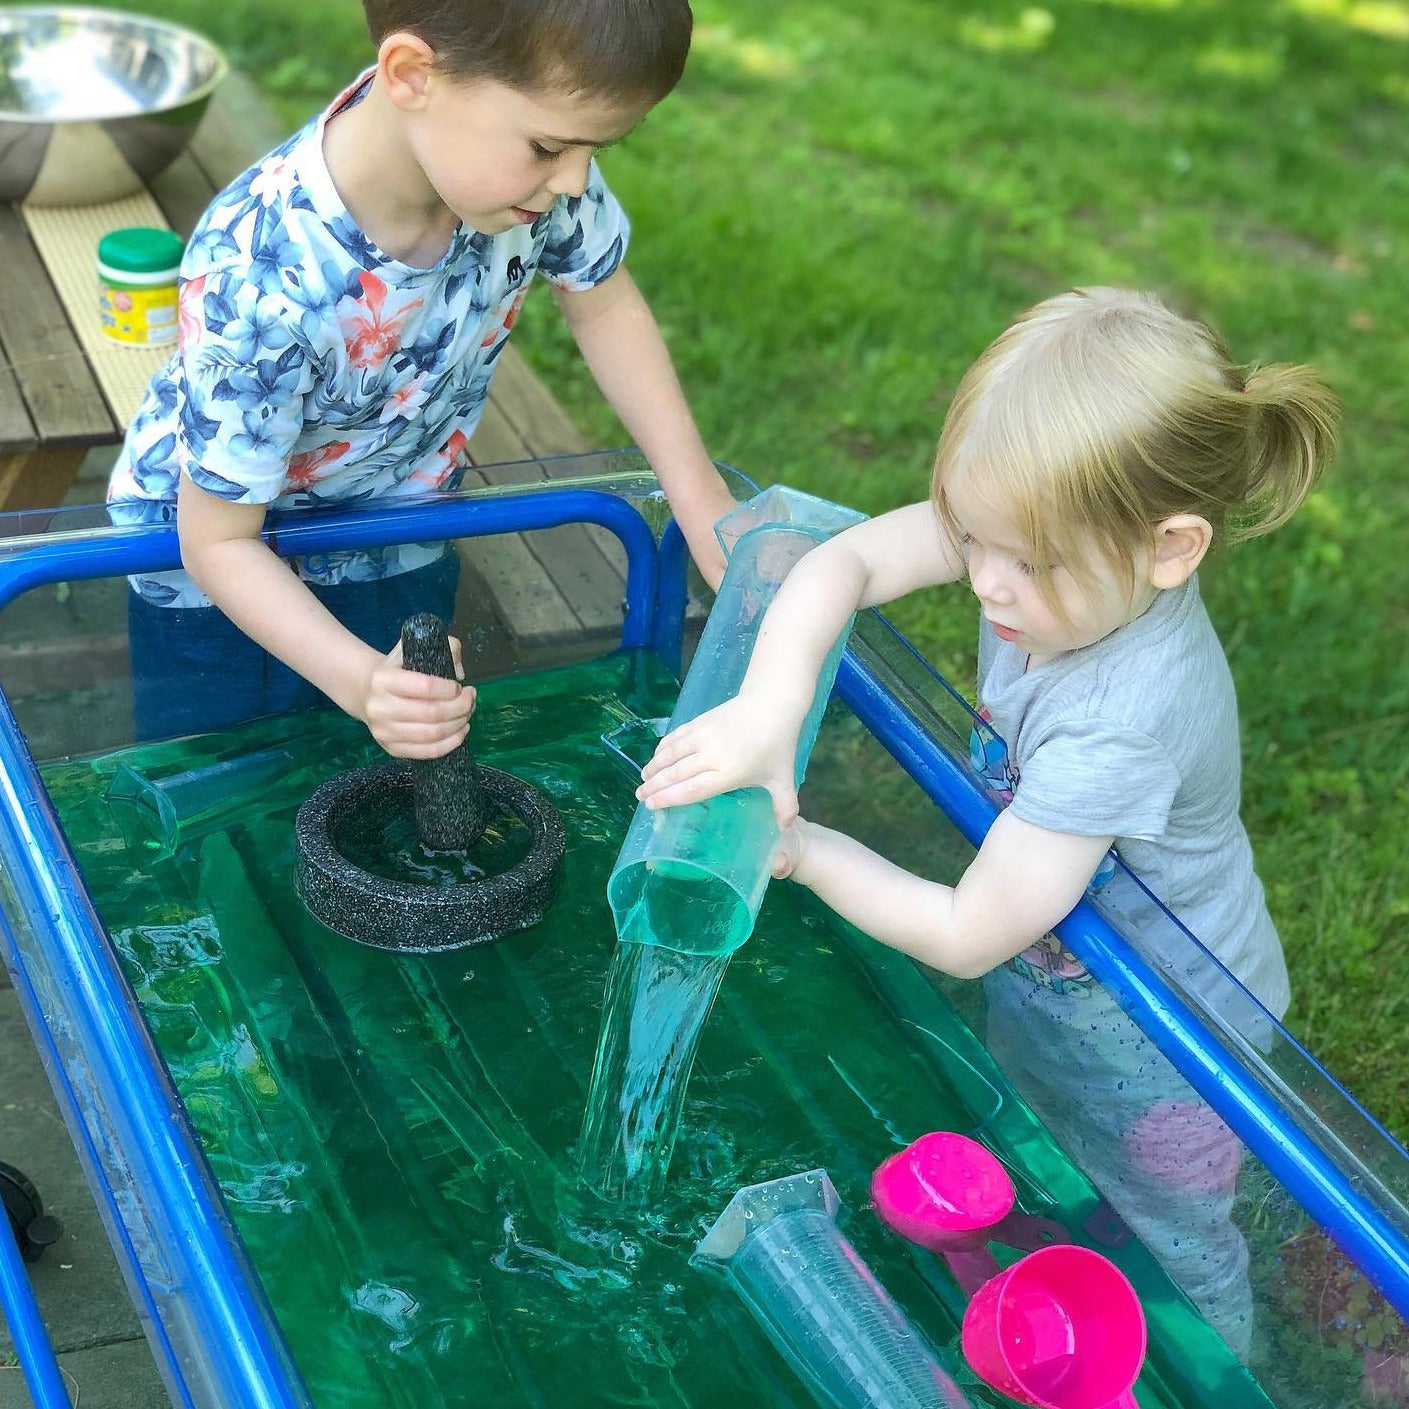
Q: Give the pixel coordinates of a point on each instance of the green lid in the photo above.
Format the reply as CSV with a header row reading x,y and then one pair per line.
x,y
141,250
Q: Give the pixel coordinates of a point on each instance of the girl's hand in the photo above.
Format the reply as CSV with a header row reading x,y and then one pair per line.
x,y
738,744
791,846
413,715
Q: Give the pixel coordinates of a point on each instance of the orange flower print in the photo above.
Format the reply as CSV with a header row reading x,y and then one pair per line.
x,y
303,469
374,338
440,467
190,322
507,322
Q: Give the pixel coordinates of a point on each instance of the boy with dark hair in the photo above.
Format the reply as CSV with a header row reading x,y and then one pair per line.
x,y
342,306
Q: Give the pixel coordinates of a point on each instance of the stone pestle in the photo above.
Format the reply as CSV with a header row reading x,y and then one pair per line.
x,y
451,808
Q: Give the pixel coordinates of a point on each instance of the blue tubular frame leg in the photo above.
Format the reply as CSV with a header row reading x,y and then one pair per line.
x,y
1323,1189
672,597
36,1355
88,1155
229,1314
224,1310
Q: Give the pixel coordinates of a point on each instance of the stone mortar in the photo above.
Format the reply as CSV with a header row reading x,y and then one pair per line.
x,y
451,800
418,919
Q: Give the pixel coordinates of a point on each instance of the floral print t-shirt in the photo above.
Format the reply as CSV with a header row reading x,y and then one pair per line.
x,y
312,368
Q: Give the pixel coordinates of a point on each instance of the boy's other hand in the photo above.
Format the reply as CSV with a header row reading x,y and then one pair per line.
x,y
417,716
734,745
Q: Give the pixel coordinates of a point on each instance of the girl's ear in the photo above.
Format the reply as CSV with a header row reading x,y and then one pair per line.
x,y
1181,541
404,64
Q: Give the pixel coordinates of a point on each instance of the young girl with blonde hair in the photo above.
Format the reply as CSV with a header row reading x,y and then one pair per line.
x,y
1091,457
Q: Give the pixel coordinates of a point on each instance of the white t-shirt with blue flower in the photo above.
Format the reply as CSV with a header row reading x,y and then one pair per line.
x,y
314,369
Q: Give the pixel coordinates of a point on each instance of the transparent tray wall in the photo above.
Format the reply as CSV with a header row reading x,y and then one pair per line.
x,y
1321,1199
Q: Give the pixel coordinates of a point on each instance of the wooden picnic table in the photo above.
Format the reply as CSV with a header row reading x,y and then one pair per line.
x,y
65,389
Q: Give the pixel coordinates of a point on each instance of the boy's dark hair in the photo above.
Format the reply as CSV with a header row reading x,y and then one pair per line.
x,y
631,50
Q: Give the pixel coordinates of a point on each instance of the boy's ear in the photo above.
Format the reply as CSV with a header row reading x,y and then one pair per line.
x,y
1181,541
404,64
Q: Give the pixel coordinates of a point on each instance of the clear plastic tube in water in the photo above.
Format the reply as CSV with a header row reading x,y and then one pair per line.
x,y
779,1245
160,814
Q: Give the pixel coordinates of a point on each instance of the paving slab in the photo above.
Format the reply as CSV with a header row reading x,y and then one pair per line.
x,y
81,1292
118,1376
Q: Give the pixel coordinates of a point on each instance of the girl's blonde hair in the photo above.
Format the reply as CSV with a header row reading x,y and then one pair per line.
x,y
1100,413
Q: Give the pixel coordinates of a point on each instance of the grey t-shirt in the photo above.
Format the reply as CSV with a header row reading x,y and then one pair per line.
x,y
1136,737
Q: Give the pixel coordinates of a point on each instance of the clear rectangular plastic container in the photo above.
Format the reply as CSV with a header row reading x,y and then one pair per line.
x,y
1320,1202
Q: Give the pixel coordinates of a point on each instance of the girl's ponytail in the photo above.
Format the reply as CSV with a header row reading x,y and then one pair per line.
x,y
1294,430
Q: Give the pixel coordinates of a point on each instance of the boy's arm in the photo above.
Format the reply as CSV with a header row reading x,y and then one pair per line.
x,y
1024,880
627,356
751,740
409,714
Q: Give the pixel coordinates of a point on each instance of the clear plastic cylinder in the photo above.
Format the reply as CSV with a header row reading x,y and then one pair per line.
x,y
779,1245
691,878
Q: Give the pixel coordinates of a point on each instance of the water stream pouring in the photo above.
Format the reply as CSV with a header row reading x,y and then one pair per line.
x,y
779,1245
689,880
461,815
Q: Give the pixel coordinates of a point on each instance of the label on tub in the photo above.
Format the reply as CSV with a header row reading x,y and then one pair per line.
x,y
138,317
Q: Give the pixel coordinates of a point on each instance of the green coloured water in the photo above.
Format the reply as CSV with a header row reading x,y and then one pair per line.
x,y
397,1137
387,844
703,905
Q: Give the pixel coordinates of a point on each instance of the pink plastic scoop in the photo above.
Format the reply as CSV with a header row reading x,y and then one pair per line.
x,y
948,1193
1060,1329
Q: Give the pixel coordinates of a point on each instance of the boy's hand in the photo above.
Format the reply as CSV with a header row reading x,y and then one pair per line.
x,y
413,715
734,745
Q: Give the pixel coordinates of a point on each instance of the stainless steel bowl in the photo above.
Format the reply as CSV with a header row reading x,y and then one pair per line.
x,y
95,102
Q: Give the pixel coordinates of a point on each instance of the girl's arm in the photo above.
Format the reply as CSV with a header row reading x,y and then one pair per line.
x,y
751,740
409,714
1022,882
627,356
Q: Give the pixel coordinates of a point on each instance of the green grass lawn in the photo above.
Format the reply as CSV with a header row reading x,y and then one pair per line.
x,y
847,199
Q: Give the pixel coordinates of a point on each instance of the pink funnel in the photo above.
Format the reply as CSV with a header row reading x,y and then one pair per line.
x,y
1060,1329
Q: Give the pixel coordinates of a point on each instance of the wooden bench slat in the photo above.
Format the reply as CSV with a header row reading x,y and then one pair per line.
x,y
568,556
527,601
547,550
58,387
545,428
531,416
38,479
532,411
183,191
589,580
16,428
